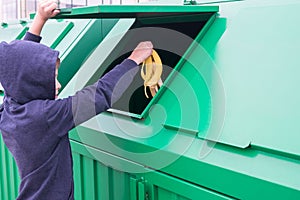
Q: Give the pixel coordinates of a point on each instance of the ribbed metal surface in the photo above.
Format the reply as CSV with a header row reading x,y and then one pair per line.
x,y
165,194
9,177
94,180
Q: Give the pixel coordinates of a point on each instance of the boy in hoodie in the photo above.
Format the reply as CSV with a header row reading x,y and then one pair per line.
x,y
33,124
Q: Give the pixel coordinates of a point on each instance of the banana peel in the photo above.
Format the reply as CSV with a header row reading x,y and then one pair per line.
x,y
151,73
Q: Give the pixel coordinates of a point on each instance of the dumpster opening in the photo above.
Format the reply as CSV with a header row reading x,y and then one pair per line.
x,y
171,37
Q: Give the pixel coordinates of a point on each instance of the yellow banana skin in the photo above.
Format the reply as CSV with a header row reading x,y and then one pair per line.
x,y
151,73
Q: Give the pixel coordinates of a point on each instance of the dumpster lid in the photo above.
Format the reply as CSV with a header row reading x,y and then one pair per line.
x,y
262,98
56,32
132,11
12,31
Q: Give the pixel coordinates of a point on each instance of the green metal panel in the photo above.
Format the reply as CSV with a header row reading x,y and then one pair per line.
x,y
163,187
225,169
141,190
130,11
94,180
176,138
81,41
11,31
9,177
91,65
200,2
260,81
133,188
55,32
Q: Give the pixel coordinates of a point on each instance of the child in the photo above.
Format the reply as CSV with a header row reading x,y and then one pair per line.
x,y
33,124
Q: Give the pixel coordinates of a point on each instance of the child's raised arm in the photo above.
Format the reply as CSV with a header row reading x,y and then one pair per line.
x,y
46,10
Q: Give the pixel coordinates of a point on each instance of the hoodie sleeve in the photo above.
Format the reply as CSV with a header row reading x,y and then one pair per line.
x,y
32,37
65,114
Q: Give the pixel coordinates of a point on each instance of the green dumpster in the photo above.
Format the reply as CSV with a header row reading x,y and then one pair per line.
x,y
109,150
224,125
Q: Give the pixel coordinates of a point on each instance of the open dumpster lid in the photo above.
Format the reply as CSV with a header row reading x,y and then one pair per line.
x,y
130,11
11,31
135,22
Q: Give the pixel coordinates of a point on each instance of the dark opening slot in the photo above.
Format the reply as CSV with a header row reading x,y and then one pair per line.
x,y
168,45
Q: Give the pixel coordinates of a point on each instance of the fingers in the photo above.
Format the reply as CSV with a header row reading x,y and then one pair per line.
x,y
144,45
142,51
55,12
47,5
146,48
48,8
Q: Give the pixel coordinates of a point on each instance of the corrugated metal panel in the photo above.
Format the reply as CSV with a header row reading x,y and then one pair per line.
x,y
9,177
165,194
94,180
161,186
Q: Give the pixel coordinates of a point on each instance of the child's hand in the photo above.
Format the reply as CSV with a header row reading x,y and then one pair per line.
x,y
141,52
47,9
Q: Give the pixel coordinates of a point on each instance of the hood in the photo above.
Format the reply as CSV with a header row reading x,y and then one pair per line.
x,y
27,70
